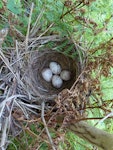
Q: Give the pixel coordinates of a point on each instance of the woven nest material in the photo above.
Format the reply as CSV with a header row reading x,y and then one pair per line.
x,y
39,61
22,86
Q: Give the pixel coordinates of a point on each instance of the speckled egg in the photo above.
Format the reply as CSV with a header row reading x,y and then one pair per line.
x,y
65,75
57,82
55,67
47,74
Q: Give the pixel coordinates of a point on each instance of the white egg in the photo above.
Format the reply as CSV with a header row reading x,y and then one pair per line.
x,y
47,74
57,81
55,67
65,75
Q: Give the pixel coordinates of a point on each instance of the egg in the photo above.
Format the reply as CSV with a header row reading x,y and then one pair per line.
x,y
55,67
65,75
57,81
47,74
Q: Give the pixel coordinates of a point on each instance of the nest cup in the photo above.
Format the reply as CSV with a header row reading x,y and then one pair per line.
x,y
41,60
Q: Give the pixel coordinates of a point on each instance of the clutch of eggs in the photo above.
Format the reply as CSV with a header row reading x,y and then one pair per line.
x,y
55,74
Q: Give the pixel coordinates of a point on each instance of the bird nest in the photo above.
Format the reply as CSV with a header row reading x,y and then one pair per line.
x,y
23,88
40,60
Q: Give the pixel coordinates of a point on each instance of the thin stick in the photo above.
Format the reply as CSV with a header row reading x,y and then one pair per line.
x,y
28,29
4,134
36,22
72,38
41,35
76,80
45,125
102,120
6,61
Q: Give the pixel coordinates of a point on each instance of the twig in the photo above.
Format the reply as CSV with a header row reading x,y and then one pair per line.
x,y
35,28
6,61
41,35
4,134
45,125
76,80
79,53
102,120
28,29
51,37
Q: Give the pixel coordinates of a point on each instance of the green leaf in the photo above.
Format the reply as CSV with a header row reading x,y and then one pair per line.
x,y
14,6
43,146
107,88
1,4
